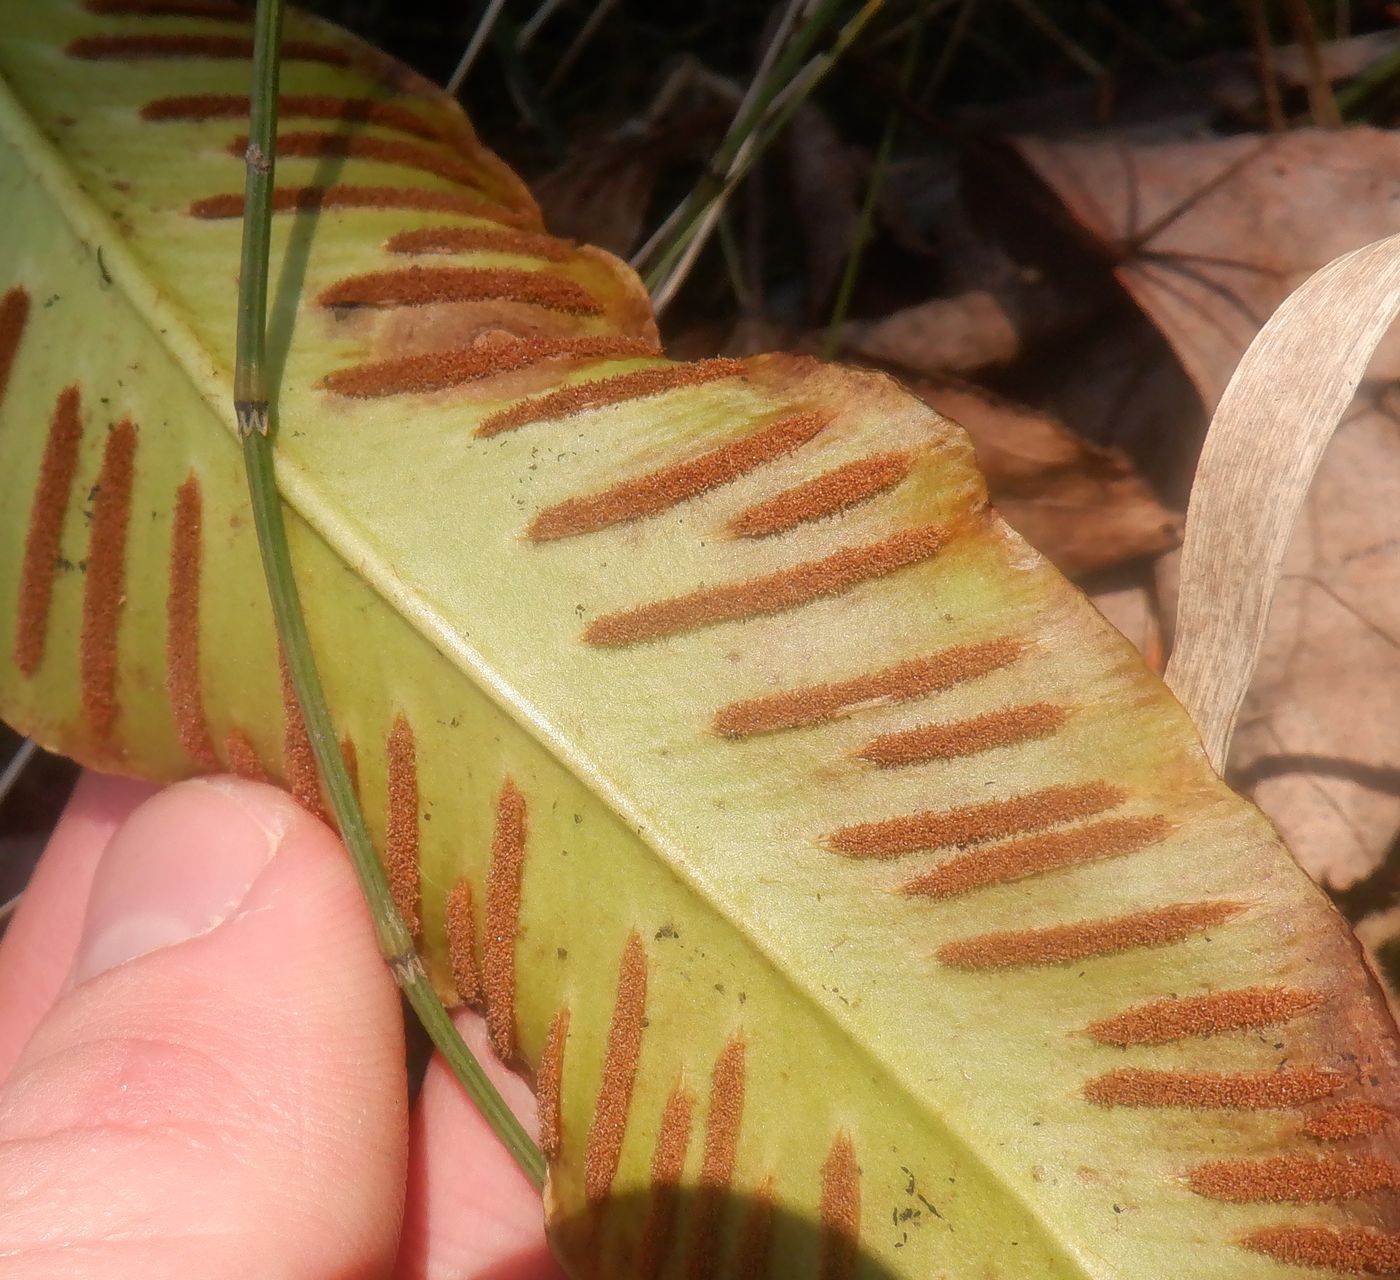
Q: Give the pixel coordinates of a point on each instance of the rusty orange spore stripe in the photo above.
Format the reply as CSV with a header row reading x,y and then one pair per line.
x,y
722,1125
1007,727
14,314
819,703
437,370
242,756
147,45
976,823
503,882
667,1164
666,487
461,942
351,756
1178,1018
1208,1090
479,240
337,196
425,286
549,1084
840,1210
637,385
1038,855
316,144
314,106
401,837
298,758
835,491
1294,1179
771,593
1066,943
604,1147
1353,1250
223,10
1347,1120
104,586
182,631
754,1247
41,544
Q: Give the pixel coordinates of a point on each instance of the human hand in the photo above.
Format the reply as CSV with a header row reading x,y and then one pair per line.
x,y
201,1064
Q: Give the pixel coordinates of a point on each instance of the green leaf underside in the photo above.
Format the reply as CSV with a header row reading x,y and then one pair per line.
x,y
959,963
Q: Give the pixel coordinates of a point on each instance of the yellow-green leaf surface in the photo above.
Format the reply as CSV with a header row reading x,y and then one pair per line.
x,y
857,900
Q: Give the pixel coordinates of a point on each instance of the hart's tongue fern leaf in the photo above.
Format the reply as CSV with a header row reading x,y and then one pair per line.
x,y
854,896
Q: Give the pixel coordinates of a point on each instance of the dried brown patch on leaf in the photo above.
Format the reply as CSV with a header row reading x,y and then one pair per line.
x,y
104,585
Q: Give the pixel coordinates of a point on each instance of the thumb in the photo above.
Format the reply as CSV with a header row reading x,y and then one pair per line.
x,y
220,1090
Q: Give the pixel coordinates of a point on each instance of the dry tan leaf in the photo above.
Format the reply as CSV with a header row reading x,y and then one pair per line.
x,y
1082,505
1131,607
941,336
1210,236
1319,739
1264,444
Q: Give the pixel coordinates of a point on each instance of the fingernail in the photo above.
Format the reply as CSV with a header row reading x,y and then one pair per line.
x,y
179,866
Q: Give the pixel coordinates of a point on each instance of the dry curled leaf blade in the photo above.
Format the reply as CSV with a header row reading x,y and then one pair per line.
x,y
1264,444
805,868
1318,745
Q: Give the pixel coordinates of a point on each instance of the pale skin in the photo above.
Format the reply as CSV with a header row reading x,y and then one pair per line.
x,y
201,1064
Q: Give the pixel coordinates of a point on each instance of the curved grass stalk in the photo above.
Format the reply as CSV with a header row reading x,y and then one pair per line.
x,y
251,406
